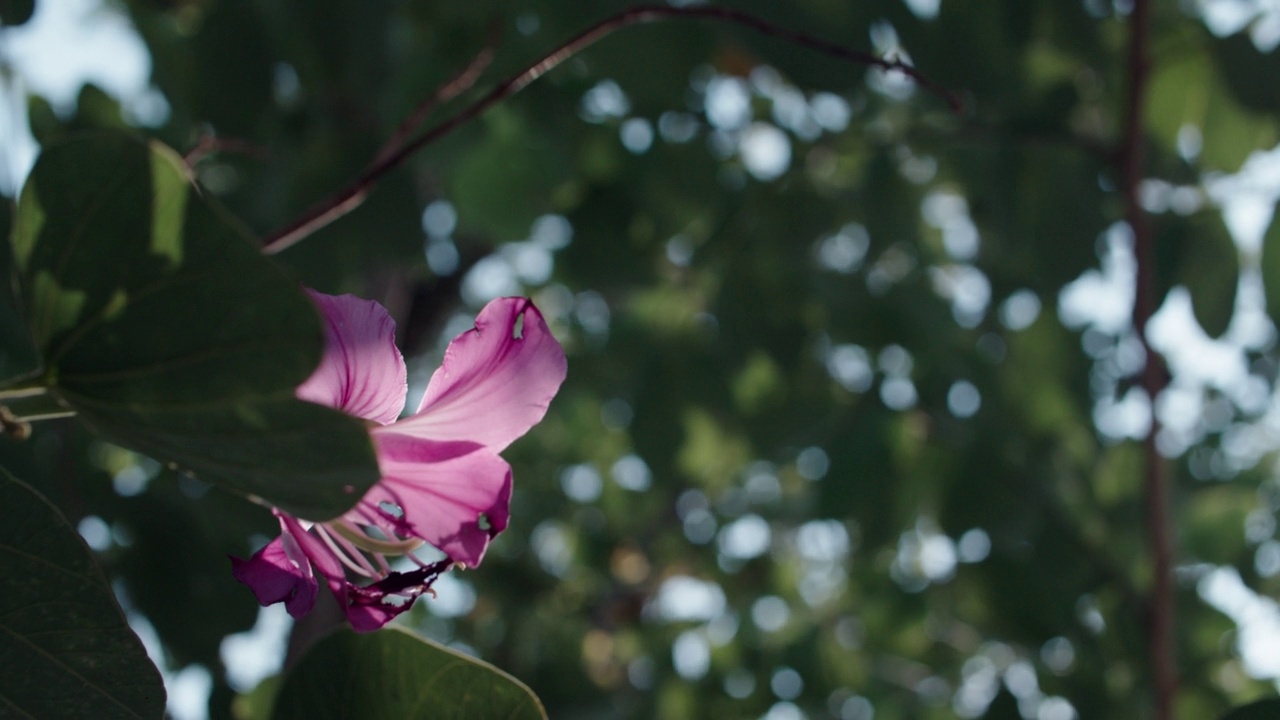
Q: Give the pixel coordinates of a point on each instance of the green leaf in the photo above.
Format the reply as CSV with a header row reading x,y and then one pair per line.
x,y
162,324
1271,268
1248,72
393,673
16,12
1186,90
301,457
65,648
1261,710
120,259
18,357
1198,253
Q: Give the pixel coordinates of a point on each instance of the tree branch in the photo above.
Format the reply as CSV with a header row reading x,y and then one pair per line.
x,y
396,153
460,83
1160,603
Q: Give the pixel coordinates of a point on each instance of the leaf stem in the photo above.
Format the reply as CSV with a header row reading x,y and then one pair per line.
x,y
392,156
1160,603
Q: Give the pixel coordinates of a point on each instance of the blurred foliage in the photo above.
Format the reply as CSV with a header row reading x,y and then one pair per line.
x,y
826,444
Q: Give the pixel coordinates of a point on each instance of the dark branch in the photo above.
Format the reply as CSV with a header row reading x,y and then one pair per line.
x,y
1160,604
210,144
348,198
460,83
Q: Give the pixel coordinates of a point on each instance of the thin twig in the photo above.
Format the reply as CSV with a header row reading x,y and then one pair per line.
x,y
1160,604
348,198
460,83
208,144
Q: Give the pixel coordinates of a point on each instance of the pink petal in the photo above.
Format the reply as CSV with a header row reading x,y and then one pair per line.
x,y
312,547
496,379
371,615
366,613
362,372
279,572
372,606
455,496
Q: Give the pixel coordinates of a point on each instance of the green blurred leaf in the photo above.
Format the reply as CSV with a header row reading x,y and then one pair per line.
x,y
503,184
94,110
16,12
1271,268
67,650
173,571
1248,72
162,324
256,704
1186,90
1261,710
1003,707
393,674
18,358
1198,253
231,77
1209,526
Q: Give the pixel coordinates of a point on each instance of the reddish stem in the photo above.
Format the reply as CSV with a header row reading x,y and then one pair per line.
x,y
209,144
1160,618
351,196
461,83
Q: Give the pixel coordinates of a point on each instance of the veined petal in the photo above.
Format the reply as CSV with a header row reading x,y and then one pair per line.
x,y
362,373
496,379
455,496
279,572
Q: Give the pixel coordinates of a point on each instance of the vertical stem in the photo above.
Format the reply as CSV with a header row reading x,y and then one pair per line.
x,y
1160,604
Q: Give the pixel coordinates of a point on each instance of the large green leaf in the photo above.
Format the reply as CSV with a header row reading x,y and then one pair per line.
x,y
161,324
393,674
296,455
65,648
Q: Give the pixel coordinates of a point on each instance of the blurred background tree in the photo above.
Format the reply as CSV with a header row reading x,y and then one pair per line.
x,y
856,423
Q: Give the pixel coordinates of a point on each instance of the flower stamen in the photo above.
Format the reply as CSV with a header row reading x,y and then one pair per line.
x,y
361,539
362,567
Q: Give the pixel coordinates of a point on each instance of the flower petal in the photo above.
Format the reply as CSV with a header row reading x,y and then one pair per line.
x,y
312,547
455,496
279,572
368,613
496,379
372,606
362,373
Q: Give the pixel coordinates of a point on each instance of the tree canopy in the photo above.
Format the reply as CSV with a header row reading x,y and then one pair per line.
x,y
877,407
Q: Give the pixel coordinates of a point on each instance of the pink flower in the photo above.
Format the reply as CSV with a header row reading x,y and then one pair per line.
x,y
442,483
